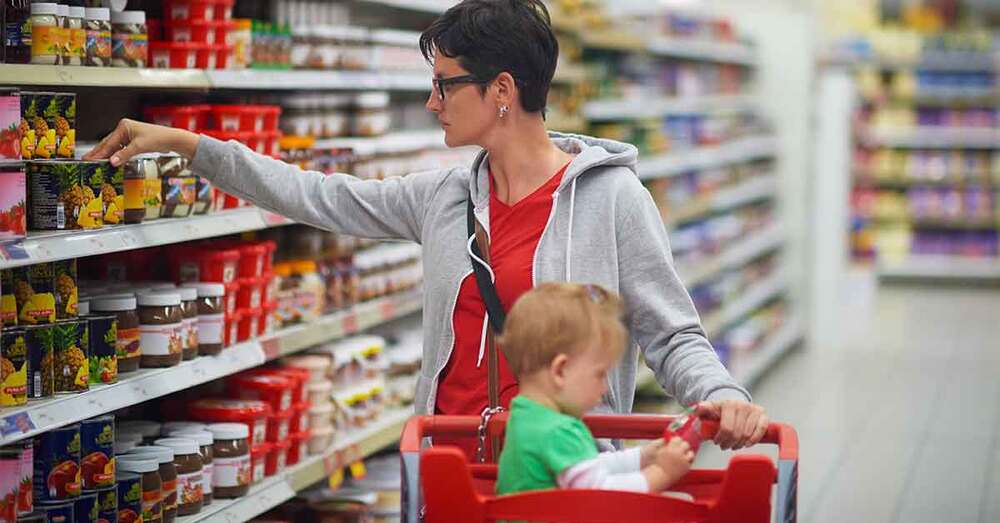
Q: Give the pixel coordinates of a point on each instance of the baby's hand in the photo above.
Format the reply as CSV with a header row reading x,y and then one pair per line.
x,y
649,451
675,459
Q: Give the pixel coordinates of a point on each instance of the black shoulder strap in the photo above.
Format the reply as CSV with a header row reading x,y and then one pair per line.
x,y
486,287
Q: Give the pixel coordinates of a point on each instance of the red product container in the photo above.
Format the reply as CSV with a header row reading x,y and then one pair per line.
x,y
251,413
258,143
228,118
687,427
206,57
269,258
272,146
154,29
218,266
279,426
268,322
253,118
189,10
277,458
223,30
258,460
224,9
224,54
247,325
273,389
251,293
272,113
231,299
268,279
198,31
299,378
173,55
300,420
189,117
252,256
299,448
232,328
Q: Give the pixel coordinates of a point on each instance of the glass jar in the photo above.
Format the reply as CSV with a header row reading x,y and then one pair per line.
x,y
205,441
46,34
161,324
76,50
129,39
148,470
231,460
128,344
164,457
97,25
189,467
211,317
189,312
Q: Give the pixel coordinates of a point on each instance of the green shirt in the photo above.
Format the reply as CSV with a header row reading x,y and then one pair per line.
x,y
540,444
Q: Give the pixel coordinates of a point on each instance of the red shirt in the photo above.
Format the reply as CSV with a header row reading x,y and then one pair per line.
x,y
514,234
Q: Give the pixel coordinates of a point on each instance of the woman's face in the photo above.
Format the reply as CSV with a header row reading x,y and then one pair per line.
x,y
465,115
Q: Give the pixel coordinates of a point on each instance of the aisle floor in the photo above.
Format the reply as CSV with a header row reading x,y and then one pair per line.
x,y
899,420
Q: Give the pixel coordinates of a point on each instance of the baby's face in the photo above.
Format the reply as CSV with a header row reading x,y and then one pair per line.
x,y
586,380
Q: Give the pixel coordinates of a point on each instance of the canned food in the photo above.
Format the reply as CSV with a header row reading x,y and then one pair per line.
x,y
59,199
57,464
97,453
10,482
103,336
8,303
13,367
107,504
129,488
34,293
67,295
86,509
58,511
41,368
71,363
107,185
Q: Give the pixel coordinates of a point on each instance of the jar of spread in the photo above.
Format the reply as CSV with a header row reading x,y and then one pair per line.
x,y
211,317
135,191
189,313
76,51
161,323
187,461
130,42
128,344
171,427
45,36
97,22
151,500
251,413
205,441
149,430
164,456
231,460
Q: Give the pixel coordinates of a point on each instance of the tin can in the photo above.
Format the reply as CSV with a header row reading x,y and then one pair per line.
x,y
107,505
34,293
58,511
103,335
10,482
107,183
97,452
26,495
71,362
41,369
66,293
57,196
13,196
57,464
13,367
91,214
8,303
86,508
129,488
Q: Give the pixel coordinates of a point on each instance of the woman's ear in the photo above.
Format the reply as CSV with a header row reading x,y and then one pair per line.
x,y
557,370
506,90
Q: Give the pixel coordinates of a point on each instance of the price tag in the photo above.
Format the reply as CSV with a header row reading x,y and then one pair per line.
x,y
274,219
271,347
20,423
350,323
387,309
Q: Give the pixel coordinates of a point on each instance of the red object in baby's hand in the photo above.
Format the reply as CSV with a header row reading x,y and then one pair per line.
x,y
686,426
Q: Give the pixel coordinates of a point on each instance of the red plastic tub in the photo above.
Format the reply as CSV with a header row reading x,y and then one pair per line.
x,y
269,258
251,413
173,55
300,418
154,29
268,323
224,9
272,145
224,54
232,328
258,143
231,301
206,57
198,31
299,448
189,117
279,425
272,389
218,266
248,324
272,113
268,290
189,10
297,379
253,118
252,256
228,118
250,293
278,457
258,461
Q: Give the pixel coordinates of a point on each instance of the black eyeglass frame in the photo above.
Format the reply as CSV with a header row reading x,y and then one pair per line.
x,y
441,83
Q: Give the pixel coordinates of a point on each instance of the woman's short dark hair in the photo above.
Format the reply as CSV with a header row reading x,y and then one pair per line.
x,y
489,37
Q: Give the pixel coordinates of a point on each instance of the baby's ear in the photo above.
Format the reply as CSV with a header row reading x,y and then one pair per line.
x,y
557,369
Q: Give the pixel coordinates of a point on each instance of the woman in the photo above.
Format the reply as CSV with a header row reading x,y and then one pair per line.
x,y
554,208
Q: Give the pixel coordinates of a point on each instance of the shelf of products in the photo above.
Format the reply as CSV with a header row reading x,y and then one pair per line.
x,y
392,143
751,299
422,6
749,368
742,193
642,108
299,80
37,417
70,77
725,52
934,138
940,268
736,255
345,450
707,157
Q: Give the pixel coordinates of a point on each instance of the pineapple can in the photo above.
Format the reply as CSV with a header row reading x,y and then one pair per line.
x,y
41,374
59,199
10,483
67,295
8,303
71,363
34,294
13,367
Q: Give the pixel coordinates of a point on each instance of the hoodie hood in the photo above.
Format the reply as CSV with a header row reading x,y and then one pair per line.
x,y
590,153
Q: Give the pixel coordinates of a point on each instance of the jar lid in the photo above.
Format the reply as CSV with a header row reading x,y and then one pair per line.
x,y
44,9
180,445
124,446
148,429
174,426
159,299
263,382
226,431
102,14
162,286
83,307
126,476
76,11
63,10
216,409
128,435
310,362
129,17
136,463
114,303
208,290
188,293
161,454
203,437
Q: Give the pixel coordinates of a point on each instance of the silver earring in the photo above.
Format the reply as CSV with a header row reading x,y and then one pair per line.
x,y
503,110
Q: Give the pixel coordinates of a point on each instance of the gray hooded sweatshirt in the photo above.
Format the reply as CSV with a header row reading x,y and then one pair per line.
x,y
604,228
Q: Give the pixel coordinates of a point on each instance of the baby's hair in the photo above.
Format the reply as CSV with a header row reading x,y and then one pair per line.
x,y
561,318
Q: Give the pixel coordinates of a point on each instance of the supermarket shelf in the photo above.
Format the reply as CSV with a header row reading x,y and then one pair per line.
x,y
612,39
393,143
570,72
903,182
736,255
750,367
751,299
51,246
300,80
934,138
707,157
693,49
348,448
941,268
69,76
743,193
37,417
628,109
421,6
944,62
561,122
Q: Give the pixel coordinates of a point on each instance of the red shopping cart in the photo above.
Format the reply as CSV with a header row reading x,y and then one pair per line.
x,y
441,486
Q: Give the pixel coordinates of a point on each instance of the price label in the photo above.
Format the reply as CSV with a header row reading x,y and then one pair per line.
x,y
350,323
387,309
271,347
19,423
274,219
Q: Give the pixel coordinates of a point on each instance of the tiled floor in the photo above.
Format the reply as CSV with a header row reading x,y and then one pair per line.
x,y
900,419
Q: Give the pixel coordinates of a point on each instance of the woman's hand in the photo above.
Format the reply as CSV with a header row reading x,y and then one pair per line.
x,y
741,424
648,452
131,138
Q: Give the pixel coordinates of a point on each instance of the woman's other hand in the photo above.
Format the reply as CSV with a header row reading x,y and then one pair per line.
x,y
741,424
131,138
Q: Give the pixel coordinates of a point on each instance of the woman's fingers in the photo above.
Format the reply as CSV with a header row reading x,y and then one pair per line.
x,y
111,143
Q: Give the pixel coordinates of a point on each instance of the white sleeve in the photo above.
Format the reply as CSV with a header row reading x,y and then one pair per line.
x,y
608,471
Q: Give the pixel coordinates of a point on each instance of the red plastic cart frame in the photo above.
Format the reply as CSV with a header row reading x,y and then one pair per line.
x,y
419,428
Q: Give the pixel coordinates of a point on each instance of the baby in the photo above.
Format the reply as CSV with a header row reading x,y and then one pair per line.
x,y
560,339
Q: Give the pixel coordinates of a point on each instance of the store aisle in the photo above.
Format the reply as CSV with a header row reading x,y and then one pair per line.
x,y
902,421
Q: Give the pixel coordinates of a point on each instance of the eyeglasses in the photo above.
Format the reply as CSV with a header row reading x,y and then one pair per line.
x,y
441,83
